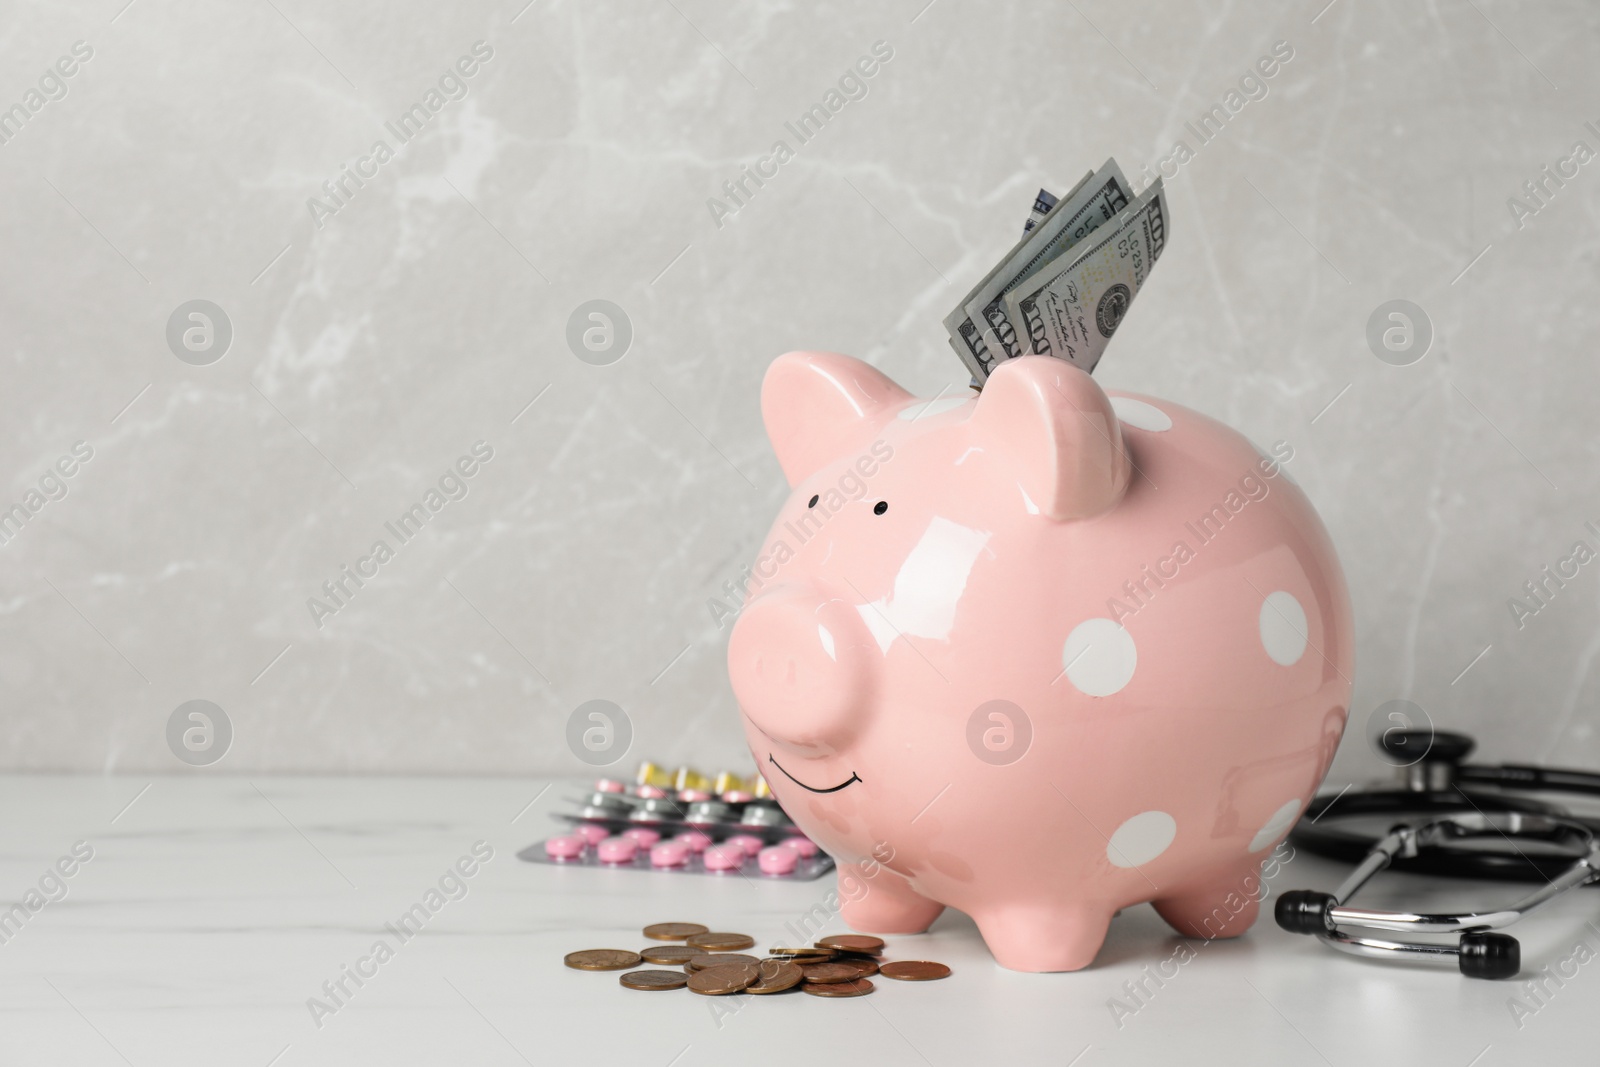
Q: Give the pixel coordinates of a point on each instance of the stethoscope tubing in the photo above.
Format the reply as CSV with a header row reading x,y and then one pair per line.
x,y
1330,839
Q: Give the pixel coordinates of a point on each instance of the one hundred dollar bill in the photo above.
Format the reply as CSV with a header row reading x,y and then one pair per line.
x,y
1069,310
1088,176
964,335
1041,207
1046,200
980,326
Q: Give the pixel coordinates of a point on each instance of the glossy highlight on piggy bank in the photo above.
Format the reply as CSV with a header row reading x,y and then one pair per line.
x,y
1063,651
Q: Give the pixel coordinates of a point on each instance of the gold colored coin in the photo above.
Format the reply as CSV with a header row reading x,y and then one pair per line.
x,y
914,970
824,973
654,980
845,954
775,976
861,968
720,981
700,962
860,987
602,959
674,931
721,942
852,943
669,955
802,953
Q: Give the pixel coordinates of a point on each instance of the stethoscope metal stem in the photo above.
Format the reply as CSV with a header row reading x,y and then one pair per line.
x,y
1479,952
1374,948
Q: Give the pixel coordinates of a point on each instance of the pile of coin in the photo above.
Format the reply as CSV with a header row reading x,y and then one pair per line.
x,y
839,965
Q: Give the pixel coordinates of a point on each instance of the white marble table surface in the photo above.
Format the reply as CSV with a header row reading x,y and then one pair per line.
x,y
213,908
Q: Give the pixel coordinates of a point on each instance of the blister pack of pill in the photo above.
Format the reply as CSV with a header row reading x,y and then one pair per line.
x,y
683,823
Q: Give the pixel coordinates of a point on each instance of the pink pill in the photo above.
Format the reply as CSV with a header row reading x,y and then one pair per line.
x,y
693,796
616,850
694,839
749,842
564,848
737,796
723,858
610,785
801,846
642,836
669,854
651,792
778,860
591,833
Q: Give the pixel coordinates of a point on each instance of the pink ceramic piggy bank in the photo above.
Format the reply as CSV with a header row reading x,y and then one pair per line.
x,y
1046,652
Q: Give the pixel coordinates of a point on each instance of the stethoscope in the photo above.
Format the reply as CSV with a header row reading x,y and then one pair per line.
x,y
1440,823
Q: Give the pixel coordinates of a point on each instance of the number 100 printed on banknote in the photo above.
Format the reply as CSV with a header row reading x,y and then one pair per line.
x,y
1071,313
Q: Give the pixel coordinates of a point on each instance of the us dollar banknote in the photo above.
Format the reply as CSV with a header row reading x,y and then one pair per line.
x,y
980,328
964,336
1042,204
1041,207
1071,308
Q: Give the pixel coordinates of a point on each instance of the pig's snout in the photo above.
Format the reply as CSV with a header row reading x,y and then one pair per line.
x,y
800,664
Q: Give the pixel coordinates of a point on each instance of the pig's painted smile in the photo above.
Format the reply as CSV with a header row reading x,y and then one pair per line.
x,y
854,777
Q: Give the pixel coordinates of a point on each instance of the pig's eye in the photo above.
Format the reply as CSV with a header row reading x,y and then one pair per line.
x,y
880,507
814,500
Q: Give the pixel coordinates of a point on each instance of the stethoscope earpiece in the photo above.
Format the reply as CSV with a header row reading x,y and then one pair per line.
x,y
1304,911
1484,954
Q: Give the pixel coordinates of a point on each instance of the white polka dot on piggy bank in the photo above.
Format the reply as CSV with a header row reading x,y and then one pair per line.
x,y
1283,628
1156,612
1276,825
1141,839
1099,657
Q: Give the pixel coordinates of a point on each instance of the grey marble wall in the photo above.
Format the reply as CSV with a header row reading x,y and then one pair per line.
x,y
416,307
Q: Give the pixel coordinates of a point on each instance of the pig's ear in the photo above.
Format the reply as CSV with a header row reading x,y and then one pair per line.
x,y
817,406
1056,432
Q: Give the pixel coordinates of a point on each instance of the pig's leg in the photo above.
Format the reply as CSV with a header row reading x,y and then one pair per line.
x,y
883,902
1224,906
1050,936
